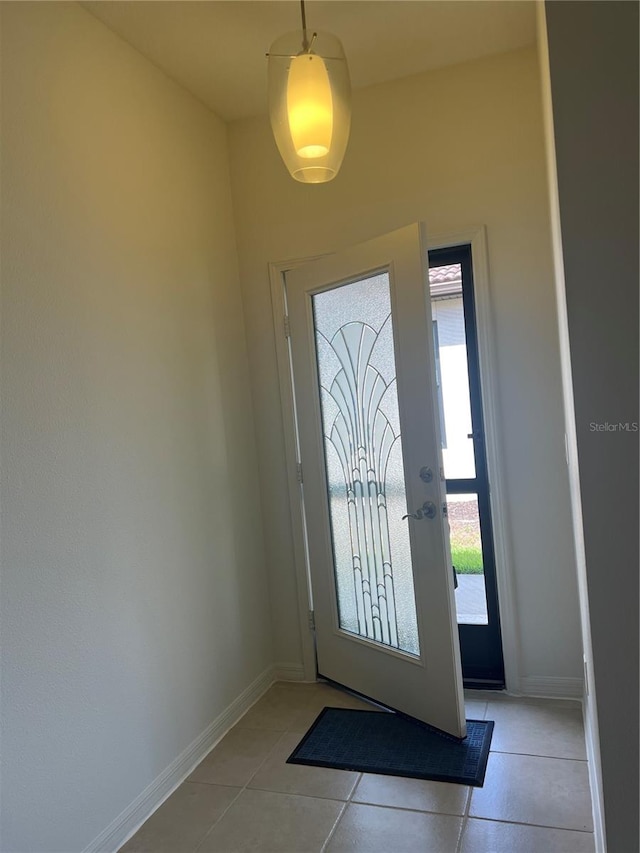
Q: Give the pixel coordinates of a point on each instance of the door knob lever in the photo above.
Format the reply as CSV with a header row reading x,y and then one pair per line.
x,y
427,510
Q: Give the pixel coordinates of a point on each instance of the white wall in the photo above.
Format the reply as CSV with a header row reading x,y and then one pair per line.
x,y
593,58
589,698
134,601
456,147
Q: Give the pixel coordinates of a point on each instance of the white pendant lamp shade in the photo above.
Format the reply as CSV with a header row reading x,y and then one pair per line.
x,y
310,104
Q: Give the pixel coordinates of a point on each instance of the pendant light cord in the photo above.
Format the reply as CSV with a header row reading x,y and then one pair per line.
x,y
305,40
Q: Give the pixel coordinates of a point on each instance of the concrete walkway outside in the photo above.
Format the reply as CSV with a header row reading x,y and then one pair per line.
x,y
471,602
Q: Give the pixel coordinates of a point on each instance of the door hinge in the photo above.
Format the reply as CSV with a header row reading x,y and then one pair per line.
x,y
287,326
312,621
299,471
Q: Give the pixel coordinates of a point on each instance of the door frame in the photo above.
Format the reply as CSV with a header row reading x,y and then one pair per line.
x,y
476,237
480,644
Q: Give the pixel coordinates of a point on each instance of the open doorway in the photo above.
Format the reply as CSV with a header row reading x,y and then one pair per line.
x,y
462,342
465,464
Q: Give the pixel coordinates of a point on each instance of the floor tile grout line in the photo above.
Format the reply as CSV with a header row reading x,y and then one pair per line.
x,y
264,760
534,825
346,805
216,822
332,831
537,755
465,815
456,817
465,819
309,707
343,811
463,826
240,789
240,792
468,803
355,787
398,808
306,796
211,784
245,787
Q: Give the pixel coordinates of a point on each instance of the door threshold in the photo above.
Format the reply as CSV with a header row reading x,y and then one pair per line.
x,y
483,684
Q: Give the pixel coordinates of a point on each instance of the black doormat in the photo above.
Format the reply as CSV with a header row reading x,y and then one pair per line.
x,y
379,742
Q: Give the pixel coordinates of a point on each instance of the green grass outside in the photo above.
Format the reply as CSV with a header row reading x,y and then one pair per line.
x,y
468,561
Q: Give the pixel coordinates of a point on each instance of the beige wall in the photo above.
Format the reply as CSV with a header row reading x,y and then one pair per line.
x,y
133,588
593,53
135,604
456,147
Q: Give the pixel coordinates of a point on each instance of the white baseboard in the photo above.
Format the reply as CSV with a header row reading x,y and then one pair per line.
x,y
550,687
595,772
288,672
146,803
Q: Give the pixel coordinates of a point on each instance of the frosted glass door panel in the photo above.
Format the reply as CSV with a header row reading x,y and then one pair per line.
x,y
364,466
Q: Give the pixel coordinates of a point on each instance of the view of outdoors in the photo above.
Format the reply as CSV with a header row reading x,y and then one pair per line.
x,y
466,543
457,442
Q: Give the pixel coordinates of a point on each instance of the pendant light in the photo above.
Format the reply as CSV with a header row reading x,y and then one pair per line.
x,y
309,102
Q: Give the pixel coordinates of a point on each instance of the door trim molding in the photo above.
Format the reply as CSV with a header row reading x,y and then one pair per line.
x,y
277,271
476,236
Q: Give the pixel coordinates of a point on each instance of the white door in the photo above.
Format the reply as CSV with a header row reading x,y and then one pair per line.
x,y
378,545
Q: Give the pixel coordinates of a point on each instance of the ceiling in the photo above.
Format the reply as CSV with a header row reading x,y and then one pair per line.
x,y
217,49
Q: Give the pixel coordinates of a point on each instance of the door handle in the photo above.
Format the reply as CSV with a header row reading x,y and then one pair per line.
x,y
427,510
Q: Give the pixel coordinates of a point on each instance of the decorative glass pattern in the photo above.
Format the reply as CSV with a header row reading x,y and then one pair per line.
x,y
363,453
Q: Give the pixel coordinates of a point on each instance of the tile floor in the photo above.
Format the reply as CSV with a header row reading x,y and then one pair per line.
x,y
244,797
